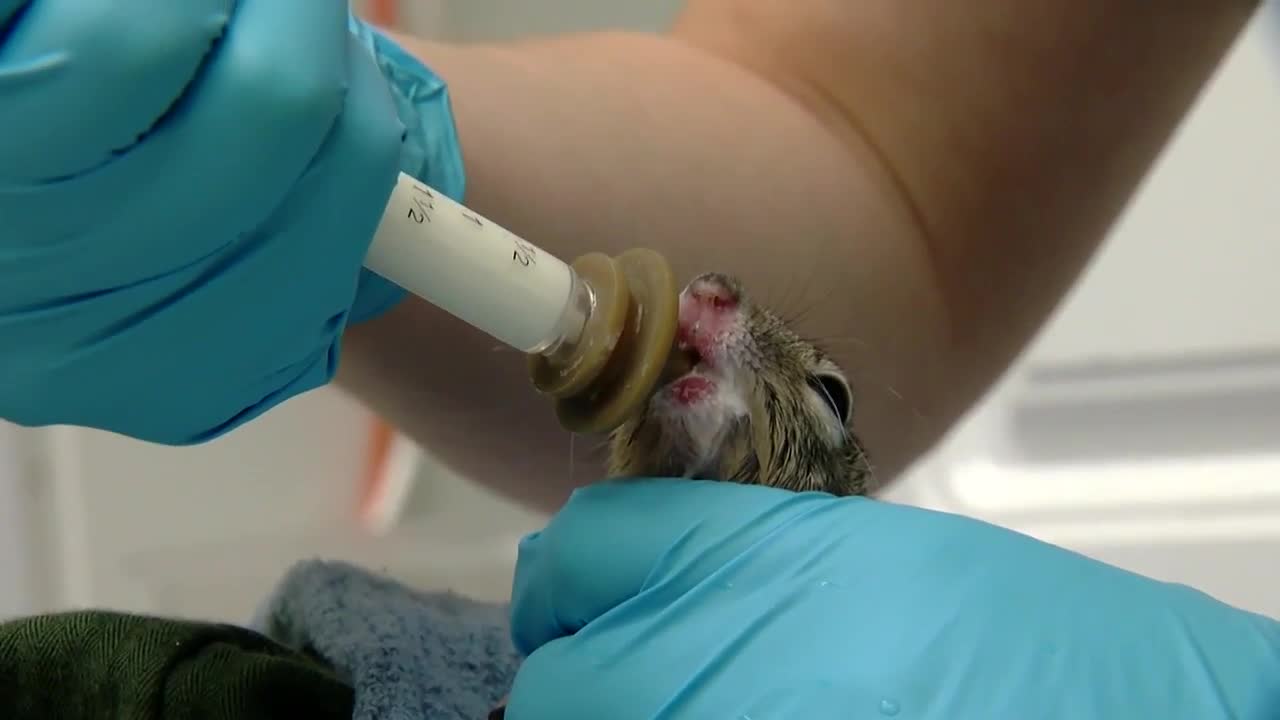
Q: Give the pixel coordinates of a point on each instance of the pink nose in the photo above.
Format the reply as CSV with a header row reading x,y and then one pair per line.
x,y
712,290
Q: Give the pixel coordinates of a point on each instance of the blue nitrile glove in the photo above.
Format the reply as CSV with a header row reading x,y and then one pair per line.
x,y
187,193
679,599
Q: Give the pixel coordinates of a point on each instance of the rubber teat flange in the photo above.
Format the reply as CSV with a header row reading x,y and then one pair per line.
x,y
626,348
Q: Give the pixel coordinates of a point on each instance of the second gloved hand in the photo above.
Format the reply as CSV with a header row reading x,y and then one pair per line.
x,y
677,599
187,193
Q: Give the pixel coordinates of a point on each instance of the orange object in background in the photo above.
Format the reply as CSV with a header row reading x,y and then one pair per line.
x,y
381,437
383,12
390,476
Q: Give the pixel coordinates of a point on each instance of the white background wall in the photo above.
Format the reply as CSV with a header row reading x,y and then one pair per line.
x,y
1143,427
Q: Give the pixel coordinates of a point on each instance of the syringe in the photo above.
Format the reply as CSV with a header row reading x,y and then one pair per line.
x,y
600,333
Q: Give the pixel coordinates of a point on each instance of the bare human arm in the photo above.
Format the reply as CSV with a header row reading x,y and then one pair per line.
x,y
920,182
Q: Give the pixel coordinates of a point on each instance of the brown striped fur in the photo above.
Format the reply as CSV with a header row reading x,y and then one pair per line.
x,y
771,422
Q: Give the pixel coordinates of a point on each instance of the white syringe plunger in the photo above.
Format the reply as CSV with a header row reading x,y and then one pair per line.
x,y
570,320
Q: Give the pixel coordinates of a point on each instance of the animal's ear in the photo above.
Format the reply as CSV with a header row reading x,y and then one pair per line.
x,y
834,391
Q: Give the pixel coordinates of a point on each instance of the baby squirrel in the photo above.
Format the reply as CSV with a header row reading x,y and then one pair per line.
x,y
761,405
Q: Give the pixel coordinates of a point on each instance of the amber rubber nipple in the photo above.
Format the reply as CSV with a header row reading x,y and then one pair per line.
x,y
626,348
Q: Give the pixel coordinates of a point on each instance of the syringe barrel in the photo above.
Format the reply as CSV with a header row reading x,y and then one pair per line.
x,y
477,271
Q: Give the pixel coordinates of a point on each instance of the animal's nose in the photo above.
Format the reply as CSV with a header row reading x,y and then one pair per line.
x,y
715,290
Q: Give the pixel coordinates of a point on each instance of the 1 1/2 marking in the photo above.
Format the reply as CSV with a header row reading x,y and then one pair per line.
x,y
524,253
423,205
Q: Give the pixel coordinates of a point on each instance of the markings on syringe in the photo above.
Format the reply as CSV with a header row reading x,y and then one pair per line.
x,y
423,204
525,254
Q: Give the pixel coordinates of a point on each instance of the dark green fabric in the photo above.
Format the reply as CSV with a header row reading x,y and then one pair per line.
x,y
98,665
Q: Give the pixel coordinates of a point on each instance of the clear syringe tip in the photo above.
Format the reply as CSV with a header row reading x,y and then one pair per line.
x,y
600,333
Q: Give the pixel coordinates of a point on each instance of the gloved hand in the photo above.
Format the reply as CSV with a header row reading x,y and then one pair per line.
x,y
187,193
679,599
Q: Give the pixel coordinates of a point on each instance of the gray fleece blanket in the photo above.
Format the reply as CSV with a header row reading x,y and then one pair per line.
x,y
409,655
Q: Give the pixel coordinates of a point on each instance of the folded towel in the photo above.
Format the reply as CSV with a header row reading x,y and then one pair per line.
x,y
95,665
410,655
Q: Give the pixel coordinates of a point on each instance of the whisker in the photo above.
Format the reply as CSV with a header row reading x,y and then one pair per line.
x,y
828,395
789,285
914,409
790,319
816,260
828,341
871,472
792,288
572,437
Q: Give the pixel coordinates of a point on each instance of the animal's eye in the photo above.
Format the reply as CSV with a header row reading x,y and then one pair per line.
x,y
834,390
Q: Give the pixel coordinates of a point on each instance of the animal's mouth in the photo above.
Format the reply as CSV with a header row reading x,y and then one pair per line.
x,y
695,385
692,356
708,314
